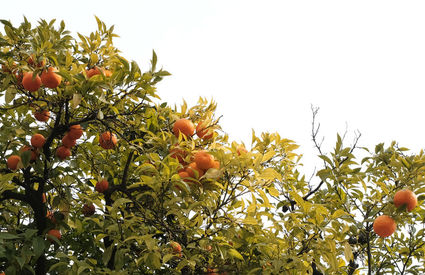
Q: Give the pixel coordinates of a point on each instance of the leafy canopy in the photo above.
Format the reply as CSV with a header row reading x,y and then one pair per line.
x,y
252,213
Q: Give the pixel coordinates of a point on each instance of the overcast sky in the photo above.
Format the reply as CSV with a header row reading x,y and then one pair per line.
x,y
266,62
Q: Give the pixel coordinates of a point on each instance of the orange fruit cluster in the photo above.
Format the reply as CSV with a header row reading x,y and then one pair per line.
x,y
49,78
385,226
69,141
202,161
14,160
185,126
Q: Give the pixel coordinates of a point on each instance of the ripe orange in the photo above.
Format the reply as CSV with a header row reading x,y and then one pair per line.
x,y
69,142
88,210
43,198
34,154
204,160
183,126
63,152
194,171
102,186
13,161
75,131
178,153
50,78
29,83
42,115
176,247
92,72
96,70
216,164
53,233
184,176
38,140
384,226
203,131
107,140
405,197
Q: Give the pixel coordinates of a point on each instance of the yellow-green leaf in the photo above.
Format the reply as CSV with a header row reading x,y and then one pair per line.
x,y
273,191
264,197
298,199
338,213
268,156
235,254
76,100
348,252
250,220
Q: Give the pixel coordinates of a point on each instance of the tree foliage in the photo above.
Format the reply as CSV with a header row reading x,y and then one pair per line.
x,y
253,213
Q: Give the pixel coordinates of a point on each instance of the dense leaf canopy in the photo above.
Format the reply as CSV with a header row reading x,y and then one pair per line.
x,y
112,188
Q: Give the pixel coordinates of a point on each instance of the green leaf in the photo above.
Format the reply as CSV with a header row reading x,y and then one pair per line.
x,y
250,220
10,94
348,252
182,264
38,245
153,260
268,156
58,266
8,236
107,254
235,254
325,158
338,213
154,61
82,268
253,205
270,174
94,58
76,100
26,157
119,259
162,73
298,199
273,191
100,115
264,197
29,233
21,261
167,257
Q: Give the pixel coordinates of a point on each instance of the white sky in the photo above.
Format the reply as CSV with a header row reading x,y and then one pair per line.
x,y
266,62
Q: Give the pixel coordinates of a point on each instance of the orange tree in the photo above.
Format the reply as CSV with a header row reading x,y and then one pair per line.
x,y
99,177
